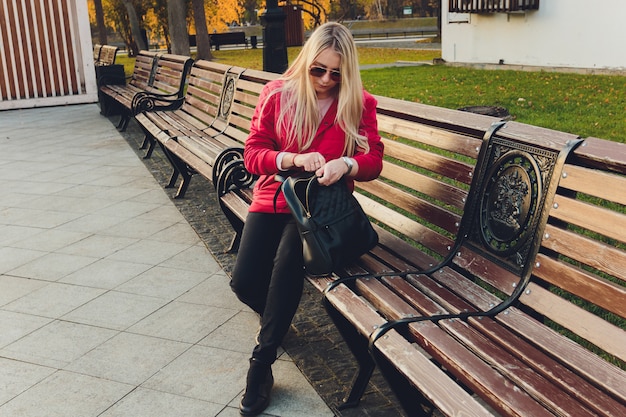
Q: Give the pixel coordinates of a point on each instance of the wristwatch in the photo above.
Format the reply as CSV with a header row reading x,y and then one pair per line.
x,y
349,163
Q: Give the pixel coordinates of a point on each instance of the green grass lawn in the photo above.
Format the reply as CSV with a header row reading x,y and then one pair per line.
x,y
586,105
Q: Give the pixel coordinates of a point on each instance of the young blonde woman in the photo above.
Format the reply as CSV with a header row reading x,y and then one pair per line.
x,y
317,118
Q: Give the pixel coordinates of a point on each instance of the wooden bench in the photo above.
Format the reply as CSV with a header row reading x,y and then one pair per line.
x,y
96,52
213,116
498,285
104,54
155,76
228,38
393,32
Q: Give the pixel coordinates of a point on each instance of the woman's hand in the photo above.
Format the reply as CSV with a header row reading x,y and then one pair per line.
x,y
309,161
332,172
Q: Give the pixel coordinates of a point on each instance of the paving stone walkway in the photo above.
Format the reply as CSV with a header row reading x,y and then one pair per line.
x,y
111,304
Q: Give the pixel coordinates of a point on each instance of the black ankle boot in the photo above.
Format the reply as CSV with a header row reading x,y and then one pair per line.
x,y
259,384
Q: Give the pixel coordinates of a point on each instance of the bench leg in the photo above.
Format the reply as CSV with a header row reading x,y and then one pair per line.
x,y
151,143
173,179
124,125
234,244
411,399
184,184
358,345
146,141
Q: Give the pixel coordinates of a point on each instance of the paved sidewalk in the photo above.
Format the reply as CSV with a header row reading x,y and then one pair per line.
x,y
110,303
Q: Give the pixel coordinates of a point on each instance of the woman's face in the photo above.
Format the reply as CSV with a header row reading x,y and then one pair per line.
x,y
329,60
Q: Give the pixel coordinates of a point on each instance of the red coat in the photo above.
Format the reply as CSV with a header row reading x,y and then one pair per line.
x,y
264,144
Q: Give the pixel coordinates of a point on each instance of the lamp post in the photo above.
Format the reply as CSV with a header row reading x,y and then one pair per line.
x,y
274,44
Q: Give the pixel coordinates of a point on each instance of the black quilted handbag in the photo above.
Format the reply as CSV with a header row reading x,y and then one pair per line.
x,y
331,222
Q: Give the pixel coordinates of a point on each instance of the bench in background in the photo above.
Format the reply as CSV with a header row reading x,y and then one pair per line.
x,y
228,38
159,76
104,54
213,116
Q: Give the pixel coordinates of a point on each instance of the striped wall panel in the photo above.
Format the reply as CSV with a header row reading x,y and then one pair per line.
x,y
41,53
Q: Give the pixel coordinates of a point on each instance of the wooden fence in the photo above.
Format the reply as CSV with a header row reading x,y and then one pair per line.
x,y
45,53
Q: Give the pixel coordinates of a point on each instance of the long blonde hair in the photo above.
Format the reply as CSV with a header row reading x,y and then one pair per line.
x,y
299,115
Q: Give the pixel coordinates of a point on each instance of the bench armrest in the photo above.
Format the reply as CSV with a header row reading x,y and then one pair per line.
x,y
150,102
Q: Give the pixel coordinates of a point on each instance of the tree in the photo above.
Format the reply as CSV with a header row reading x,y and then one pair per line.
x,y
134,25
177,18
102,30
203,42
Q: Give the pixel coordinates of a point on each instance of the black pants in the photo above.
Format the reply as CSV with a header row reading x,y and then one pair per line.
x,y
269,276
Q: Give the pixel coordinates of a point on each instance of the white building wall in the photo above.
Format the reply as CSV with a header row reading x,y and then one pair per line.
x,y
562,33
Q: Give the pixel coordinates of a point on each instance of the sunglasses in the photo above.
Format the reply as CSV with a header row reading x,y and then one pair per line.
x,y
320,72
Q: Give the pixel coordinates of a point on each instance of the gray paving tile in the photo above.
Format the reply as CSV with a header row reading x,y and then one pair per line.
x,y
52,267
106,273
13,288
236,334
128,358
148,403
11,258
53,300
14,326
214,291
195,258
161,282
10,235
149,251
91,223
48,240
183,322
115,310
293,396
98,245
137,228
66,394
203,373
57,344
17,377
179,232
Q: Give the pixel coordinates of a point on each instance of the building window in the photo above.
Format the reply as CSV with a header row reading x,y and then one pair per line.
x,y
492,6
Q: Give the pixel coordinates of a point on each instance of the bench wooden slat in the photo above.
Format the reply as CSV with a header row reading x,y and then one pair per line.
x,y
510,342
595,254
595,369
430,186
360,312
596,219
446,395
439,138
237,205
593,182
602,154
443,218
581,389
413,229
510,366
586,324
435,163
599,291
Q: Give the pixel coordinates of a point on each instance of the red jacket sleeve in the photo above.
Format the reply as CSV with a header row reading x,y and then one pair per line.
x,y
262,145
371,163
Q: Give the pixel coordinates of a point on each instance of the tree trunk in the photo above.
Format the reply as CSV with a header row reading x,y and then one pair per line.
x,y
177,18
134,25
203,42
102,29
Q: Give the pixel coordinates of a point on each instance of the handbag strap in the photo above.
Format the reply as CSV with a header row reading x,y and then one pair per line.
x,y
281,178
